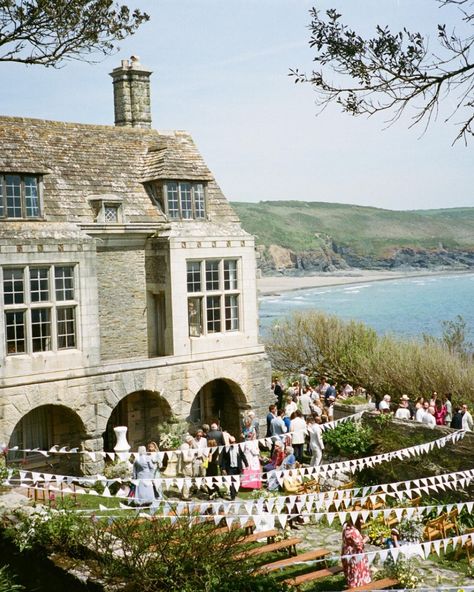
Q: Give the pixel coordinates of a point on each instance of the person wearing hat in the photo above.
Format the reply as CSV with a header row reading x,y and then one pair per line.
x,y
403,412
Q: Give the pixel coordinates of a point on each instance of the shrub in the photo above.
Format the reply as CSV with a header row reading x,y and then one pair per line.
x,y
161,555
55,529
350,439
377,530
7,581
381,364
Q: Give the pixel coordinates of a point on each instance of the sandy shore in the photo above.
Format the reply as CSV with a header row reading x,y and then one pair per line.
x,y
272,285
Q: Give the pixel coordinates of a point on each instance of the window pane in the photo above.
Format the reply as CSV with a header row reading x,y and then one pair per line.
x,y
13,187
230,274
232,312
199,201
186,201
64,282
213,311
194,317
15,330
66,326
39,284
194,276
111,213
172,198
212,275
13,289
31,197
41,329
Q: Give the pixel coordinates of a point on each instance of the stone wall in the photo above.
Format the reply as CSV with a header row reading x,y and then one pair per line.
x,y
397,434
122,304
94,396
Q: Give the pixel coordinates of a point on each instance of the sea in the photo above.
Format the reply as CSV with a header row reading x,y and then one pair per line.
x,y
408,307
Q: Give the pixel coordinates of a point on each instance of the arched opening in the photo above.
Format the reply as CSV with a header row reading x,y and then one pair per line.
x,y
141,412
44,427
219,400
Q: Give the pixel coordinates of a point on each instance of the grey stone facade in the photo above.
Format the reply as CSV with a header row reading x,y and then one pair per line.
x,y
104,213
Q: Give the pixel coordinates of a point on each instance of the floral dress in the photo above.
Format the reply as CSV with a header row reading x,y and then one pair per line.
x,y
356,569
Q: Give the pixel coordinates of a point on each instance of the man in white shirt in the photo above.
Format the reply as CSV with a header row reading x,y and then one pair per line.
x,y
298,429
290,406
467,422
316,444
277,425
384,405
429,418
422,411
305,402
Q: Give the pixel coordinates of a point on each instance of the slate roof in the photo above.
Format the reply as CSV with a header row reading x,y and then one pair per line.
x,y
80,162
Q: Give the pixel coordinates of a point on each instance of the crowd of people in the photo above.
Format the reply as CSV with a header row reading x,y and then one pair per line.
x,y
431,411
293,425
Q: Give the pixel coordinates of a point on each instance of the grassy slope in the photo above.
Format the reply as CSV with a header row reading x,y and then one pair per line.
x,y
306,225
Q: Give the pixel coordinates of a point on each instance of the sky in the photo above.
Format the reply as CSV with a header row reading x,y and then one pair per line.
x,y
220,71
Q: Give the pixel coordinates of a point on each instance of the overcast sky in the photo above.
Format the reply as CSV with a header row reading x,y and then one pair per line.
x,y
221,72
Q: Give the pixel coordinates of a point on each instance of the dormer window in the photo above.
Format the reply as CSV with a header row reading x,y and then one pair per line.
x,y
107,209
184,200
19,196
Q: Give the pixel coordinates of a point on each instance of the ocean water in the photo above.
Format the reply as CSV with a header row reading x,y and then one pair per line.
x,y
405,307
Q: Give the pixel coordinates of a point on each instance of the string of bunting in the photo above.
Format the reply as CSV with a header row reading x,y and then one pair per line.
x,y
323,501
162,454
328,471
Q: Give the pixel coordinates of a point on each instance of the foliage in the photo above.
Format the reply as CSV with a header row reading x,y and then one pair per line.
x,y
118,470
7,582
3,464
47,32
171,433
343,231
404,570
393,71
381,364
411,530
454,336
349,438
175,556
59,528
377,530
355,400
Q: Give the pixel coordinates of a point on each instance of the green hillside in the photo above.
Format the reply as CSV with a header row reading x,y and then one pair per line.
x,y
367,231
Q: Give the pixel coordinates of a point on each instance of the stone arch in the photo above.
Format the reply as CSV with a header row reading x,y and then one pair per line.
x,y
219,400
141,411
46,426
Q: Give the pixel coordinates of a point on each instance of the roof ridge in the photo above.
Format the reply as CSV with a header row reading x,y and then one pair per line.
x,y
92,126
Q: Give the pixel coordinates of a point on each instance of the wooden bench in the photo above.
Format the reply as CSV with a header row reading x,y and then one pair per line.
x,y
300,558
289,544
256,536
376,585
313,575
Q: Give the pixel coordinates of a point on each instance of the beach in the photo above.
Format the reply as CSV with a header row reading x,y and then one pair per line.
x,y
273,285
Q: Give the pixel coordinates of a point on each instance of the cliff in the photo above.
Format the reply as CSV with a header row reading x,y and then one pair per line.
x,y
299,237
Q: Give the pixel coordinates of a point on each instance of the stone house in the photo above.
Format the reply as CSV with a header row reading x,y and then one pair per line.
x,y
128,288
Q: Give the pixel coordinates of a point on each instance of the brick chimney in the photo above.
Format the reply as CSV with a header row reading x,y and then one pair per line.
x,y
132,94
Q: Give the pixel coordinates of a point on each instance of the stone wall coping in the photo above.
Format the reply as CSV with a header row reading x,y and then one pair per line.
x,y
120,366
